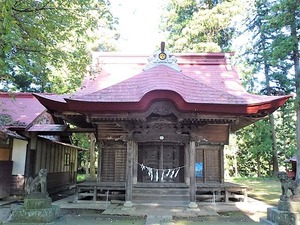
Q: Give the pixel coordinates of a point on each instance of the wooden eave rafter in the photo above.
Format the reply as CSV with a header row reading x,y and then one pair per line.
x,y
77,119
68,131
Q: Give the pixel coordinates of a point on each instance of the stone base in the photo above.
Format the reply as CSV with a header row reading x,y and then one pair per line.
x,y
37,208
37,203
128,204
23,215
264,221
289,205
193,206
280,217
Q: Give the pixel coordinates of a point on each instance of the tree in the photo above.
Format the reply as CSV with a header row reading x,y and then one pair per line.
x,y
260,56
285,18
200,26
44,43
254,144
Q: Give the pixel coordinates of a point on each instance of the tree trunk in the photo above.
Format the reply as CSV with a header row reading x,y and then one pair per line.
x,y
86,163
258,165
235,166
274,146
271,117
298,146
297,81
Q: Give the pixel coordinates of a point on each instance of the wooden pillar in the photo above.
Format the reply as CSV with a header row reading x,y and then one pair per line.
x,y
92,156
161,159
187,163
30,164
193,203
131,145
222,163
135,165
100,146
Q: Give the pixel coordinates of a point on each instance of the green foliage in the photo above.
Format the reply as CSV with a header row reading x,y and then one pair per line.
x,y
254,143
82,141
44,44
205,26
81,178
255,149
285,119
269,55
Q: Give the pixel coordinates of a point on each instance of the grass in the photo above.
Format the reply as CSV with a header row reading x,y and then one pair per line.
x,y
264,189
81,177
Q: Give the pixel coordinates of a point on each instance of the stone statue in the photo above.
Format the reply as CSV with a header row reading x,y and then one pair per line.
x,y
38,184
288,210
287,184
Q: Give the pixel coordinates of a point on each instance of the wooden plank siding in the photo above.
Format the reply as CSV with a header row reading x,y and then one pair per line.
x,y
5,175
213,133
50,155
113,164
210,157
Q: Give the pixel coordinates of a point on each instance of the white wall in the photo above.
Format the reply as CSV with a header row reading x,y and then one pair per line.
x,y
19,156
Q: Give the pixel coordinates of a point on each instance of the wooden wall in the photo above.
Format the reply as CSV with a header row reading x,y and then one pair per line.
x,y
6,166
211,159
5,149
214,133
209,140
5,175
60,161
113,162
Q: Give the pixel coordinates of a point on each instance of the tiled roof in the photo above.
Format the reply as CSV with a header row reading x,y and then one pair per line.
x,y
193,88
19,109
204,79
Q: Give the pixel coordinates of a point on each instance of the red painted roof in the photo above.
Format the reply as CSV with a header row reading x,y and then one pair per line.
x,y
206,83
23,108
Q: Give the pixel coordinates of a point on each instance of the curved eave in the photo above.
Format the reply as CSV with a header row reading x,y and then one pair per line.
x,y
52,104
261,108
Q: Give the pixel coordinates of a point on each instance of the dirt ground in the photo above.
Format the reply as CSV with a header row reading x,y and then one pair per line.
x,y
237,214
229,218
92,217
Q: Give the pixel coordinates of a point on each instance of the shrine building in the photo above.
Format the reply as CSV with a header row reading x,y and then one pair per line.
x,y
161,122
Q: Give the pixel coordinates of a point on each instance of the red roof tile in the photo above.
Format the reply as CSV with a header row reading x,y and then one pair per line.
x,y
193,89
23,108
205,80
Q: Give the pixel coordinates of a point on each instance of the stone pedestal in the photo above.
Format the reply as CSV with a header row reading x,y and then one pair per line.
x,y
37,209
287,213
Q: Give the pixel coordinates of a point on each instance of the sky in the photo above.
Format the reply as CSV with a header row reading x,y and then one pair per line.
x,y
138,25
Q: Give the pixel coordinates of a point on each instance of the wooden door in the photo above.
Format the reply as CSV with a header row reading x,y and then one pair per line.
x,y
160,163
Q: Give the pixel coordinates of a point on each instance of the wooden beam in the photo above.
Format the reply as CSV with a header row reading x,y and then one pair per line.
x,y
130,153
192,172
68,131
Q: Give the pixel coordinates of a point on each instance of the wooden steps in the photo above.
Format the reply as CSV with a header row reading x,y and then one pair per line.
x,y
160,195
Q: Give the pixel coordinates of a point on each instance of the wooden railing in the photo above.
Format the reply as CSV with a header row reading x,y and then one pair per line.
x,y
94,190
